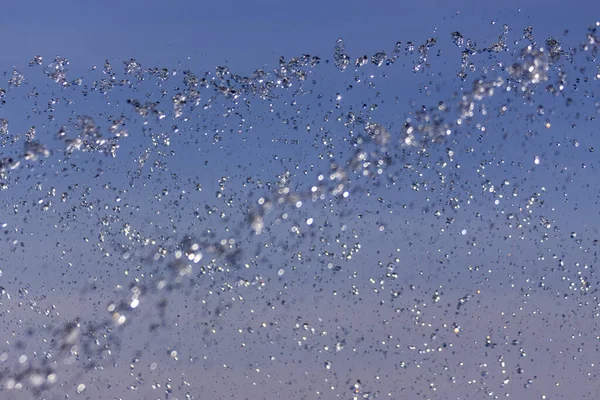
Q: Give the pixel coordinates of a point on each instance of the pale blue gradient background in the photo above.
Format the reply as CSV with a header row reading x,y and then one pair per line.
x,y
249,35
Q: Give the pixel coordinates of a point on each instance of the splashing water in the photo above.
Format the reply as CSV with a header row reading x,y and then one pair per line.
x,y
373,226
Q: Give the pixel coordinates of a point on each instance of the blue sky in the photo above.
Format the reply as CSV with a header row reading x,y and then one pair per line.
x,y
251,34
522,329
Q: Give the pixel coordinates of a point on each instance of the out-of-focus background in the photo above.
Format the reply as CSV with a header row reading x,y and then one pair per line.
x,y
185,215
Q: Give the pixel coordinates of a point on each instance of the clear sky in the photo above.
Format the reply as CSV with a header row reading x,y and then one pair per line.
x,y
298,231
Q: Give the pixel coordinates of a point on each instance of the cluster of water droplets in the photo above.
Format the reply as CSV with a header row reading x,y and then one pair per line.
x,y
242,239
